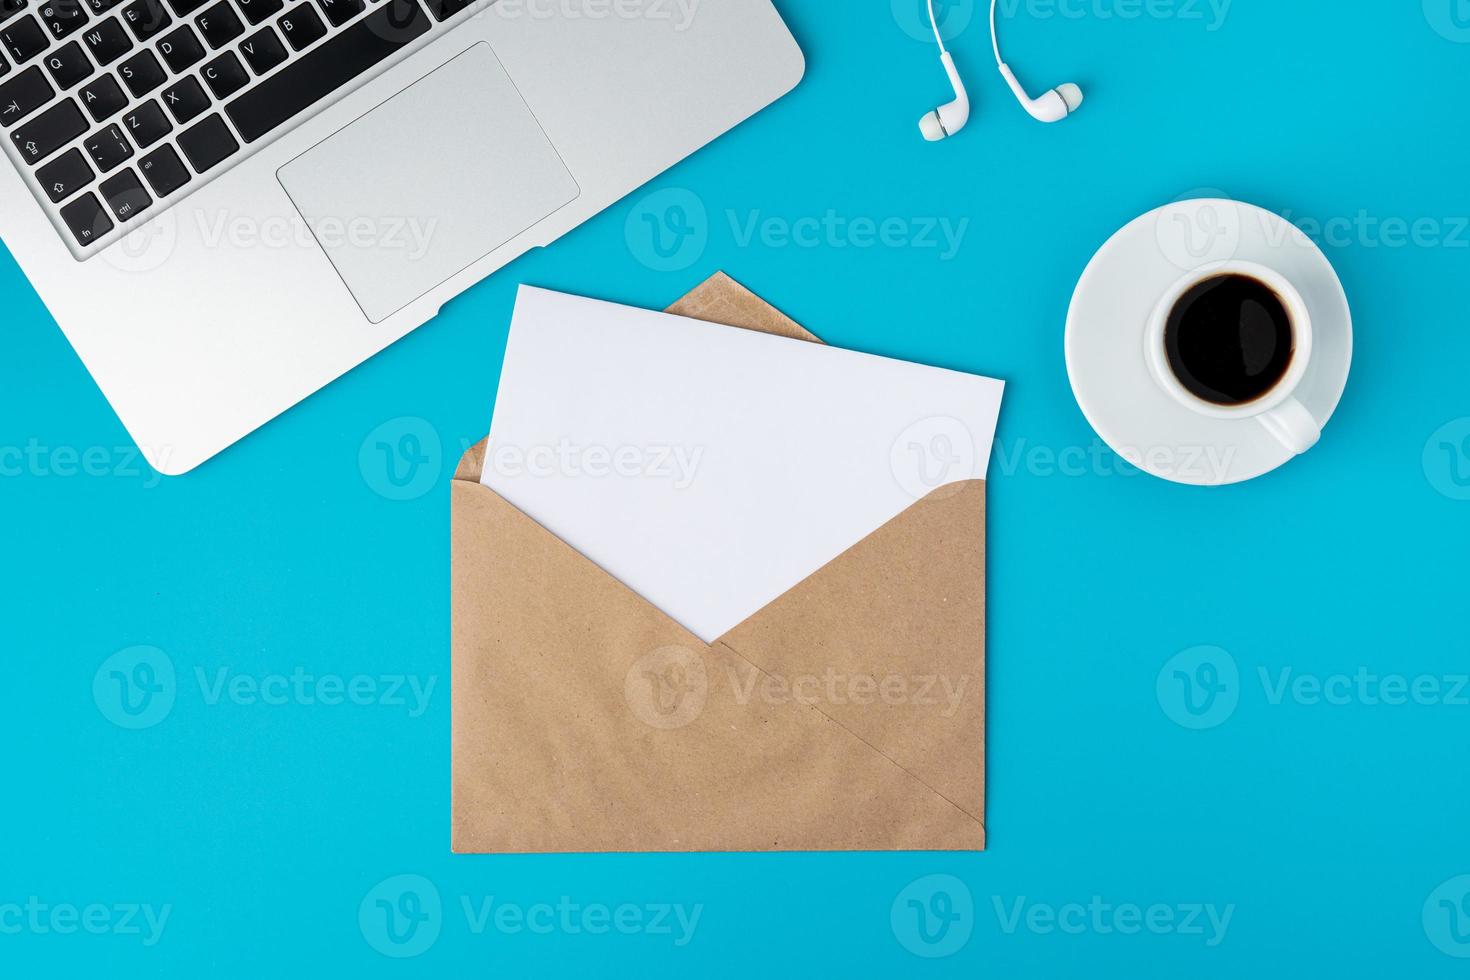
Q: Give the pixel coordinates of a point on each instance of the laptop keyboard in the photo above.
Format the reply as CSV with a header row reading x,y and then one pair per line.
x,y
120,108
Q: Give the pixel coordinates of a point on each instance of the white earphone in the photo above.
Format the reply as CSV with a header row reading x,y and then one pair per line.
x,y
950,118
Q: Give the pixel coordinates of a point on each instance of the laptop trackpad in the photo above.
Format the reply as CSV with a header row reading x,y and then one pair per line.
x,y
428,183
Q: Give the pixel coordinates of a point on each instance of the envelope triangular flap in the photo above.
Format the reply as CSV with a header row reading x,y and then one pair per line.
x,y
887,640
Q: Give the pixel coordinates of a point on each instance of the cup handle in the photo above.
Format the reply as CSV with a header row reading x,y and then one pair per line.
x,y
1292,425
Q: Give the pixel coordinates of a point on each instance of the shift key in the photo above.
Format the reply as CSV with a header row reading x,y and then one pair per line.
x,y
49,131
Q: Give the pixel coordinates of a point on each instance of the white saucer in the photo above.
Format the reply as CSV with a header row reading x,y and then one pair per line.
x,y
1110,310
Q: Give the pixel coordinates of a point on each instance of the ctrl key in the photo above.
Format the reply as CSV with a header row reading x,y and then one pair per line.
x,y
125,195
87,219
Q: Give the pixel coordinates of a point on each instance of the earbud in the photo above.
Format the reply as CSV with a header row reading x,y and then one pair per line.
x,y
1057,104
950,118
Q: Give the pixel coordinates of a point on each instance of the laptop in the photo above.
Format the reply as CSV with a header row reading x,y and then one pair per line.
x,y
226,204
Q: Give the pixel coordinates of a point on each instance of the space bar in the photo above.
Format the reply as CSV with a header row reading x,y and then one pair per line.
x,y
304,83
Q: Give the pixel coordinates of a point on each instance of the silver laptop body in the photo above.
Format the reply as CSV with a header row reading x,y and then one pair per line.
x,y
406,150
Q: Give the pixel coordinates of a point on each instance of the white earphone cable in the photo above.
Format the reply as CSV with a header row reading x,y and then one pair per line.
x,y
994,38
934,20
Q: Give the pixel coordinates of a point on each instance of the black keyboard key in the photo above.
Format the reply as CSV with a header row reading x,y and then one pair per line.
x,y
258,10
146,18
49,131
207,143
9,8
180,49
102,97
184,8
220,25
24,39
23,95
302,84
225,76
69,65
102,6
62,17
445,9
185,99
147,124
125,195
4,68
301,26
109,148
86,219
164,170
108,41
142,73
263,50
64,176
340,12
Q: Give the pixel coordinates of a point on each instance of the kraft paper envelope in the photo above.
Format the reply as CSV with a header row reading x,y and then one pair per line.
x,y
846,715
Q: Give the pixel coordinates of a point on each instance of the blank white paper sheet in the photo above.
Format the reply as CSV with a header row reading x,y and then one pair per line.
x,y
708,468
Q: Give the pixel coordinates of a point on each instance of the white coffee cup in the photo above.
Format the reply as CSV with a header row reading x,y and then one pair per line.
x,y
1278,409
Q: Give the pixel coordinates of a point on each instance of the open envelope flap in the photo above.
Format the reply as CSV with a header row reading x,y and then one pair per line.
x,y
587,720
887,640
720,299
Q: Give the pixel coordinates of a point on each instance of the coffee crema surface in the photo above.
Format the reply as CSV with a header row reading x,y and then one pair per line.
x,y
1229,339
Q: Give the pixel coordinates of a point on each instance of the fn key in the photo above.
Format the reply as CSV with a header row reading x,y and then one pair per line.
x,y
207,143
86,219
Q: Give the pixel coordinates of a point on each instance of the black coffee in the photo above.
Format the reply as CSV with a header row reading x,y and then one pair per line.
x,y
1229,339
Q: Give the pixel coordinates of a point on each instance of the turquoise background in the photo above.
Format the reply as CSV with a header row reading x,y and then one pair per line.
x,y
1335,834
